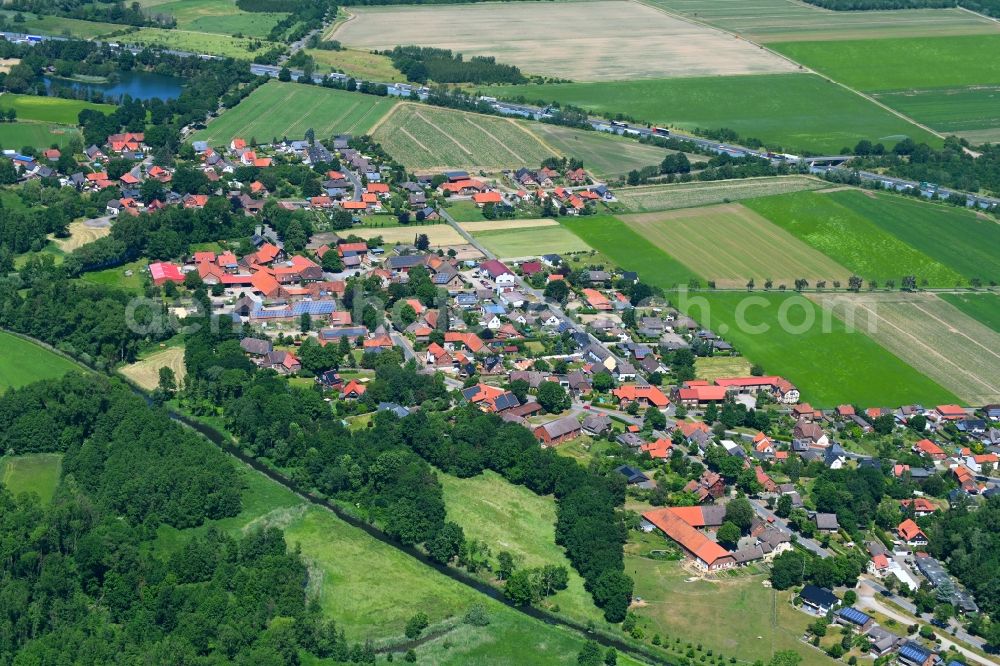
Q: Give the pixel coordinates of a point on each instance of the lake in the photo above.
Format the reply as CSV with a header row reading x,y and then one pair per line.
x,y
140,85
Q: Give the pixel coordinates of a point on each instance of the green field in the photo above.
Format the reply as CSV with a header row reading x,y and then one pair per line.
x,y
66,27
790,20
647,198
515,243
844,231
49,109
214,16
14,136
828,364
903,63
358,63
512,518
34,473
116,277
982,307
603,154
973,113
199,42
425,137
23,362
277,110
629,249
794,111
966,242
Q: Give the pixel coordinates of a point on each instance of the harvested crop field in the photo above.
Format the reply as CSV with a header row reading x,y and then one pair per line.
x,y
81,233
790,20
277,110
958,352
517,243
584,41
686,195
425,137
439,235
731,244
146,372
505,225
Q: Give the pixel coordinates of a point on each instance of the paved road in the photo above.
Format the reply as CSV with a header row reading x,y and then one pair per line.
x,y
805,542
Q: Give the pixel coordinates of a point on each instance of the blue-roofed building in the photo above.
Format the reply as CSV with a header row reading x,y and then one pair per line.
x,y
818,599
853,617
295,310
916,654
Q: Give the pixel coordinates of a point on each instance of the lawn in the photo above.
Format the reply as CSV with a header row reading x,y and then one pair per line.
x,y
465,211
358,63
735,616
953,349
982,307
116,277
34,473
424,137
964,241
199,42
686,195
797,112
790,20
713,367
592,41
605,155
14,136
512,518
62,26
730,244
23,362
513,243
214,16
846,234
903,63
789,335
277,110
49,109
973,112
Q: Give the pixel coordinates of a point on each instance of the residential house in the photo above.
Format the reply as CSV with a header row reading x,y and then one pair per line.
x,y
703,551
910,534
818,599
558,431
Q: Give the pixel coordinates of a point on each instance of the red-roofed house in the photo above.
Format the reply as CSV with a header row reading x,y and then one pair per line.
x,y
353,390
644,395
470,341
694,394
911,534
660,449
928,448
163,271
949,413
705,553
921,506
265,284
596,299
483,198
879,565
266,253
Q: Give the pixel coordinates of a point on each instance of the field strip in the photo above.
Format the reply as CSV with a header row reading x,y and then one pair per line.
x,y
445,134
305,115
381,121
415,140
504,225
525,128
951,328
345,114
363,116
490,134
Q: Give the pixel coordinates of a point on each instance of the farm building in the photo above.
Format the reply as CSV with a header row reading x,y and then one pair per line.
x,y
705,553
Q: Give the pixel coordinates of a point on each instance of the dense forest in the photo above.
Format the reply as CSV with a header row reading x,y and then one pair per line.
x,y
87,10
79,580
989,7
421,64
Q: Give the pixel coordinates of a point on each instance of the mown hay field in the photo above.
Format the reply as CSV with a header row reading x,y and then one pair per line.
x,y
583,41
357,63
81,233
790,20
531,242
686,195
49,109
852,238
277,110
439,235
958,352
14,136
424,137
797,112
731,244
146,372
506,225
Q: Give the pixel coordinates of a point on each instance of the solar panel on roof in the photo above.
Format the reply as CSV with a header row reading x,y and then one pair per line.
x,y
854,615
913,652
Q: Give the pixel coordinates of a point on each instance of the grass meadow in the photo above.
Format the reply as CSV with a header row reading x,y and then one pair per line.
x,y
63,26
646,198
358,63
117,278
512,518
985,308
531,242
17,135
49,109
603,154
713,367
423,137
798,112
731,244
23,362
789,20
240,48
34,473
973,113
903,63
962,240
277,110
838,228
222,17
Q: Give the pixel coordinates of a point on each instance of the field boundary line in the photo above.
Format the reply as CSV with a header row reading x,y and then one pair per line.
x,y
490,134
443,133
306,113
957,330
381,121
537,138
363,116
415,140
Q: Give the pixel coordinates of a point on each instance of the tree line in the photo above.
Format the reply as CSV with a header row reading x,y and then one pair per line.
x,y
422,63
988,7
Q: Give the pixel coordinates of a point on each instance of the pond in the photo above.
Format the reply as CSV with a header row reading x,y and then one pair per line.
x,y
140,85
